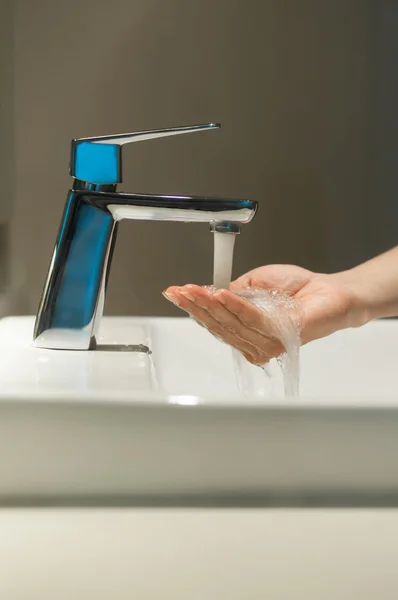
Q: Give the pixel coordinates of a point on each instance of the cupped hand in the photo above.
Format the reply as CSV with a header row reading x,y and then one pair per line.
x,y
325,304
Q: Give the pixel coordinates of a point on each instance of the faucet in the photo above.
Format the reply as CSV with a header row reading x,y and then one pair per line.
x,y
73,298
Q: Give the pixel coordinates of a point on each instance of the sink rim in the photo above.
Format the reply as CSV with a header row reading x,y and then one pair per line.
x,y
156,398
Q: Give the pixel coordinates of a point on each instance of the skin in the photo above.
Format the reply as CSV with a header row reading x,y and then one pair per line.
x,y
326,303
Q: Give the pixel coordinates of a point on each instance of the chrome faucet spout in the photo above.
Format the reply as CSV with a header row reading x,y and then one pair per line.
x,y
185,209
73,298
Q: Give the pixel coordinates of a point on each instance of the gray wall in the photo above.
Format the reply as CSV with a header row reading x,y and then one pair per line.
x,y
383,206
293,86
7,159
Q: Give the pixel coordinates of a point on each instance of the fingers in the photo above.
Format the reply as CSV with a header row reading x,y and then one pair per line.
x,y
235,321
216,328
228,320
248,314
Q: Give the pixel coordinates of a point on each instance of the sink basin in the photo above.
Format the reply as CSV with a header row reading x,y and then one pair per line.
x,y
154,415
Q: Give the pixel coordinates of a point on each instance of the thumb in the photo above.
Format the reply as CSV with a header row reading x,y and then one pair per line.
x,y
252,279
242,283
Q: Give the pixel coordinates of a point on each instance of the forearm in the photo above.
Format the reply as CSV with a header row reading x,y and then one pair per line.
x,y
374,287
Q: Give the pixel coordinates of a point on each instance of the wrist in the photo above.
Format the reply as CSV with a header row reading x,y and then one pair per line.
x,y
358,303
360,309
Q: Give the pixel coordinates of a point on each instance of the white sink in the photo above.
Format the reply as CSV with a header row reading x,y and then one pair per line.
x,y
155,415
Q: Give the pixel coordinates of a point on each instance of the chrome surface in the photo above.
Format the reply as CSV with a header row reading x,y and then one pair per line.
x,y
93,187
74,293
225,227
98,160
139,136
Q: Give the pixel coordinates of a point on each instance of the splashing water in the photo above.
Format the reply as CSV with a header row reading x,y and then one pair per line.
x,y
280,312
281,321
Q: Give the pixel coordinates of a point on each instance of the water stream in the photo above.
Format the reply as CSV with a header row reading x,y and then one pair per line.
x,y
224,244
279,309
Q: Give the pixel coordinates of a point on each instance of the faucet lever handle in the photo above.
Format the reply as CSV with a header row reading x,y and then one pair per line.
x,y
98,160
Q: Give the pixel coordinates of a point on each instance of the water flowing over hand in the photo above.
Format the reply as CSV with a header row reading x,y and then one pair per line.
x,y
325,303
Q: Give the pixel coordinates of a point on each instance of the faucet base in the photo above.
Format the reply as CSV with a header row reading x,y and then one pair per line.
x,y
65,339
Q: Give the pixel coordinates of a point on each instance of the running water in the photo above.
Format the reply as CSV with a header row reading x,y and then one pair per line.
x,y
281,313
279,309
223,258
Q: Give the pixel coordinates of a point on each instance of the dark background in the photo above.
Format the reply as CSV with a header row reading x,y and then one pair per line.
x,y
306,92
